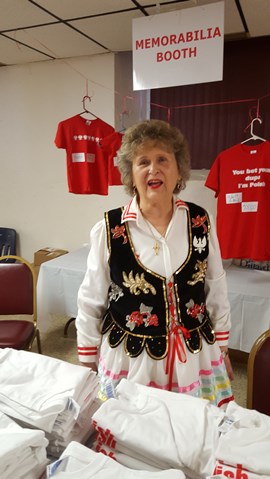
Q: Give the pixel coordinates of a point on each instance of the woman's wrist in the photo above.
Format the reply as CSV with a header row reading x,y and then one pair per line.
x,y
224,352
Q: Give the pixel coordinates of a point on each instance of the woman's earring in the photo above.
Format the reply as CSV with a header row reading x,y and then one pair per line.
x,y
134,190
179,185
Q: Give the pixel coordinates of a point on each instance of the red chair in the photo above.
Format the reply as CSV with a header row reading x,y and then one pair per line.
x,y
258,375
18,297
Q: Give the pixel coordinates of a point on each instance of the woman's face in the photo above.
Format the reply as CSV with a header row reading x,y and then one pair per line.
x,y
155,172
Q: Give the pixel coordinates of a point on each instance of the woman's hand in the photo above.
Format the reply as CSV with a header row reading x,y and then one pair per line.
x,y
227,363
92,366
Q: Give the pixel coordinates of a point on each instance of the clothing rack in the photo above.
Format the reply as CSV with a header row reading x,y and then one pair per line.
x,y
227,102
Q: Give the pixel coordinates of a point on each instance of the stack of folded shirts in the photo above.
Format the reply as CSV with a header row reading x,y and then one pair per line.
x,y
22,451
77,461
244,446
45,393
159,428
146,426
67,429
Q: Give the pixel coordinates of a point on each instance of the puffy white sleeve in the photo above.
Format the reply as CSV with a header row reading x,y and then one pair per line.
x,y
93,295
217,302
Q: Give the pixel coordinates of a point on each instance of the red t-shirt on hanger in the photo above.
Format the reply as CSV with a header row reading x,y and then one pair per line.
x,y
87,165
240,177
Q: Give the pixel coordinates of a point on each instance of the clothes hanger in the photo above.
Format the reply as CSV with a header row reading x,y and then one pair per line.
x,y
253,135
125,114
85,110
123,127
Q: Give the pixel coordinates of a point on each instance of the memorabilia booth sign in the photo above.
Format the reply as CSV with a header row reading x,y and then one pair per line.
x,y
178,48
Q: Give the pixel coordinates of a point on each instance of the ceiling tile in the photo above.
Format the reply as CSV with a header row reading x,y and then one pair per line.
x,y
233,22
114,32
12,53
257,19
80,8
20,13
58,41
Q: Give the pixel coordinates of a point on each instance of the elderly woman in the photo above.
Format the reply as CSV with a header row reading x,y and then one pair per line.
x,y
153,306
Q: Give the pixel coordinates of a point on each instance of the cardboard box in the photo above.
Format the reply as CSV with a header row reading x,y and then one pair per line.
x,y
46,254
36,270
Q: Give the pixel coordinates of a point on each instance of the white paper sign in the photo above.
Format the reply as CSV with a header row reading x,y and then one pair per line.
x,y
232,198
178,48
249,207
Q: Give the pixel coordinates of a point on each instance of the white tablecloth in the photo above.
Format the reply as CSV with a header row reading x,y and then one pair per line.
x,y
58,282
249,296
248,291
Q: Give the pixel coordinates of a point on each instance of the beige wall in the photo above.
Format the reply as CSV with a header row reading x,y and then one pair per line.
x,y
34,197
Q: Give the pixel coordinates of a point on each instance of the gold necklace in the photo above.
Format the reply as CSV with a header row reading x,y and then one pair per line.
x,y
156,246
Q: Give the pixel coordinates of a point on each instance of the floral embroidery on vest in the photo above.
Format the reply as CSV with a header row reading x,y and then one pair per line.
x,y
115,293
195,310
144,316
199,221
119,231
138,283
201,267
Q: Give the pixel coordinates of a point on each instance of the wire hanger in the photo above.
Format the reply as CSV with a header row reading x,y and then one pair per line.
x,y
125,114
85,110
123,127
253,135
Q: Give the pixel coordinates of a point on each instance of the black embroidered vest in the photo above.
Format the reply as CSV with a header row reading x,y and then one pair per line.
x,y
139,306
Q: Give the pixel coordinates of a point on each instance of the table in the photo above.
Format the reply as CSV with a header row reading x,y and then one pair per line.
x,y
57,287
249,296
248,291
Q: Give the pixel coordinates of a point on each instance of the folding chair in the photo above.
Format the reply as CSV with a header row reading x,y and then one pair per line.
x,y
258,375
18,297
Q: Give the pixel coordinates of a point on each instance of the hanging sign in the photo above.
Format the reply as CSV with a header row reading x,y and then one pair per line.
x,y
178,48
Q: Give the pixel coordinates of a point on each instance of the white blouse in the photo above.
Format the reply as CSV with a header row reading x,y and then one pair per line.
x,y
93,292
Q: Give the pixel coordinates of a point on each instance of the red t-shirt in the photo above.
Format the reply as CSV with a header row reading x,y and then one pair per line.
x,y
110,145
240,177
87,165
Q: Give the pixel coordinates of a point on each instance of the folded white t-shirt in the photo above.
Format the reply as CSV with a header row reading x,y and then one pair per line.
x,y
77,461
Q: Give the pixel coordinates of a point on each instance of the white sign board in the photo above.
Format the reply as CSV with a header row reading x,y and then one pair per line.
x,y
178,48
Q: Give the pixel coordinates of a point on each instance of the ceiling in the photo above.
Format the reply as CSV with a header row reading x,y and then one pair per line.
x,y
40,30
